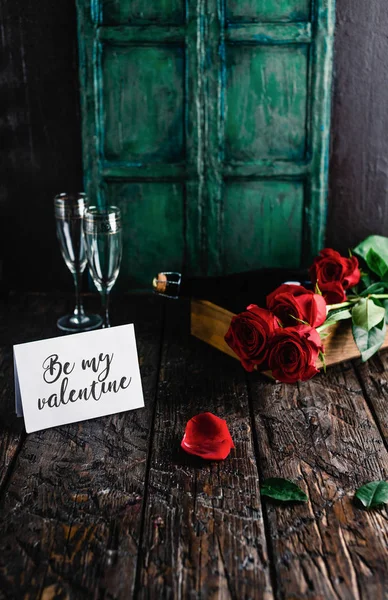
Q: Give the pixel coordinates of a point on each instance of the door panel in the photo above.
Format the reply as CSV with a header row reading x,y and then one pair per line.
x,y
127,11
266,93
208,122
269,218
152,216
268,10
142,101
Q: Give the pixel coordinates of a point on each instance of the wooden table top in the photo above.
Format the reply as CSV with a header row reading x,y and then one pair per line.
x,y
112,508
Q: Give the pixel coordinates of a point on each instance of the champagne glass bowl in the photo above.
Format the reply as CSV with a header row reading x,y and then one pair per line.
x,y
69,211
103,239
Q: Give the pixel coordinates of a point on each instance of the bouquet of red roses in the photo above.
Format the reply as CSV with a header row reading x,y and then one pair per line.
x,y
286,336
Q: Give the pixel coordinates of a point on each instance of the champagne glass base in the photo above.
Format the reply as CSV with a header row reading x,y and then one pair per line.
x,y
76,324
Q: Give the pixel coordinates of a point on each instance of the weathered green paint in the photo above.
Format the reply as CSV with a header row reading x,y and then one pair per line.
x,y
269,33
266,93
134,11
268,10
158,206
270,215
145,127
207,122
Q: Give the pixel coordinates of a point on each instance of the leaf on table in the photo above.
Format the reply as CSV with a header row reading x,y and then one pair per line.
x,y
283,490
369,342
366,314
373,494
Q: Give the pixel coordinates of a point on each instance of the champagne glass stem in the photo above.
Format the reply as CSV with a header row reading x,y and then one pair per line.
x,y
105,308
79,309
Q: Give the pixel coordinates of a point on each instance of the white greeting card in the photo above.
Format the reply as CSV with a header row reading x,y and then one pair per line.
x,y
78,377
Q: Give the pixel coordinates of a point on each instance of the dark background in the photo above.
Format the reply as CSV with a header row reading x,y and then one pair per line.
x,y
40,133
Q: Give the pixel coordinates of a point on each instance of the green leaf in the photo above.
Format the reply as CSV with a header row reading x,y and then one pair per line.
x,y
373,494
378,243
283,490
323,360
339,315
335,316
375,288
376,263
366,314
366,280
369,342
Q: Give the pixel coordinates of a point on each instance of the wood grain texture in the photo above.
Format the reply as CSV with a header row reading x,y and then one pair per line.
x,y
322,436
72,513
210,323
22,318
113,508
204,533
374,381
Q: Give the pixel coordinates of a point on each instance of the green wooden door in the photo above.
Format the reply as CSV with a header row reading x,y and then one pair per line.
x,y
207,122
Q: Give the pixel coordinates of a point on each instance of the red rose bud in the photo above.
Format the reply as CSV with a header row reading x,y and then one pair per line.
x,y
333,292
207,436
290,302
248,335
293,353
353,273
331,266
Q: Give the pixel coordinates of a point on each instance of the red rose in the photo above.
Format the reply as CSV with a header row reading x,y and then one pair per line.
x,y
333,292
248,335
353,273
207,436
289,301
331,266
293,353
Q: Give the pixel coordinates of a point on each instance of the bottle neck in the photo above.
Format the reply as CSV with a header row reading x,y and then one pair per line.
x,y
251,287
168,284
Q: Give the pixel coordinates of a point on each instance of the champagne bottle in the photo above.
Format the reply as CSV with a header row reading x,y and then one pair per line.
x,y
230,291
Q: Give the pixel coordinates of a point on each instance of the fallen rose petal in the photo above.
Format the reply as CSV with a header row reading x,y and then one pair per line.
x,y
207,436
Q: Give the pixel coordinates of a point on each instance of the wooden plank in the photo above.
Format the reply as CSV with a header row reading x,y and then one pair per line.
x,y
269,33
141,34
23,318
214,99
210,323
135,172
266,168
318,123
11,428
271,11
204,533
71,518
322,435
373,376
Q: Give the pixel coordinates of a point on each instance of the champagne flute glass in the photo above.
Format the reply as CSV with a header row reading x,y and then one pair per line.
x,y
103,238
69,210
